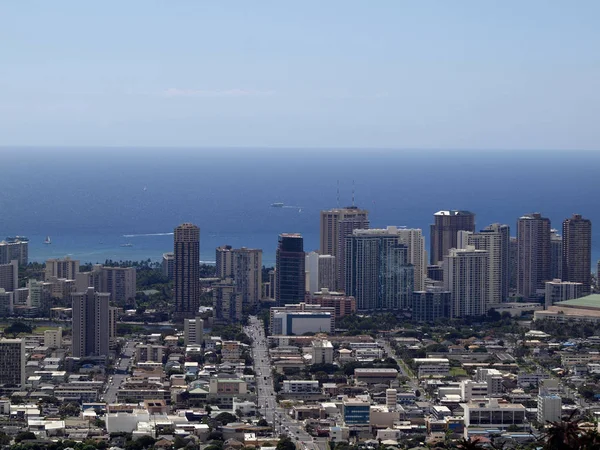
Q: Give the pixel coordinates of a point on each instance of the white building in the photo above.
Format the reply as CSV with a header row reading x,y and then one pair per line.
x,y
466,277
549,408
322,352
320,272
391,399
301,387
297,323
493,414
432,366
53,338
495,239
470,390
559,291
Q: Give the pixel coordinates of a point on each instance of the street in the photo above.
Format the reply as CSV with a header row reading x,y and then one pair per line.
x,y
121,369
266,398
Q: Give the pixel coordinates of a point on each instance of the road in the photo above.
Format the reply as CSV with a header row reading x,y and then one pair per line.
x,y
412,382
266,397
121,369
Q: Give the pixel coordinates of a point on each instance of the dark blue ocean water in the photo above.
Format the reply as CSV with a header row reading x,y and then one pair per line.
x,y
88,199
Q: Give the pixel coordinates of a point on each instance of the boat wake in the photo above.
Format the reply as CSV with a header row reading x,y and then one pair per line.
x,y
147,234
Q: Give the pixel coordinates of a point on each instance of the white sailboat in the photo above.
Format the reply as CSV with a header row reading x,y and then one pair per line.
x,y
47,241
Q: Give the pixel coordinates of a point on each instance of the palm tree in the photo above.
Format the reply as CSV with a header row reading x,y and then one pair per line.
x,y
564,434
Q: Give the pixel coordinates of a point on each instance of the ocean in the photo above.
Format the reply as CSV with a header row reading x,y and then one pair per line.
x,y
90,201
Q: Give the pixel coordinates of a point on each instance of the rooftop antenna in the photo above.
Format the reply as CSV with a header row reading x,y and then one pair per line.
x,y
352,192
338,193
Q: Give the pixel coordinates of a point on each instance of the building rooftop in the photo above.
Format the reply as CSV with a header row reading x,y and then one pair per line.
x,y
454,212
589,301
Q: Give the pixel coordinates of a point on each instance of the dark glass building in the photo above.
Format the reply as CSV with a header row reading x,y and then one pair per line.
x,y
289,269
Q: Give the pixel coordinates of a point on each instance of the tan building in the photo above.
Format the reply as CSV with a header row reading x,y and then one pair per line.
x,y
149,352
336,225
343,304
53,338
61,268
444,231
227,303
244,266
91,323
119,282
231,350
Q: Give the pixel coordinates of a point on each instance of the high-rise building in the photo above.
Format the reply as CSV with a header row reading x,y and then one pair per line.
x,y
6,302
193,331
495,239
187,270
577,251
533,248
555,255
168,265
378,272
244,266
91,323
40,295
61,268
9,276
320,272
290,269
14,248
560,291
415,244
119,282
336,225
224,261
444,231
513,263
466,277
432,305
12,362
227,303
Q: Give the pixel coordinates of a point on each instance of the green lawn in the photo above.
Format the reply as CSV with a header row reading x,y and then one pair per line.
x,y
458,372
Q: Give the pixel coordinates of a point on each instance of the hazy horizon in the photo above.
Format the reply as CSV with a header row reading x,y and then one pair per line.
x,y
337,74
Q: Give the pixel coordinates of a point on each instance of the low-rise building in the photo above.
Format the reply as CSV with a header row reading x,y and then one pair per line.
x,y
432,367
375,375
493,414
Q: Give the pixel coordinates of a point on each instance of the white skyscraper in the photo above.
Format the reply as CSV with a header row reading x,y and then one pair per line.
x,y
495,239
466,277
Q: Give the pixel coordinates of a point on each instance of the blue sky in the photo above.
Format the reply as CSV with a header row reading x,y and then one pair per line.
x,y
397,74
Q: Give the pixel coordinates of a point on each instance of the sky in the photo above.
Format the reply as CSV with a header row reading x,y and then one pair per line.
x,y
469,74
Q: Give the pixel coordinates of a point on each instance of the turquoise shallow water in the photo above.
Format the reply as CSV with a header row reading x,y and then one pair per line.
x,y
90,201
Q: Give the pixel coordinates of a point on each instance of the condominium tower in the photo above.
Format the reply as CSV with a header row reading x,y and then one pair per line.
x,y
244,266
91,323
290,277
444,231
336,225
533,254
466,278
495,239
378,271
187,270
12,362
577,251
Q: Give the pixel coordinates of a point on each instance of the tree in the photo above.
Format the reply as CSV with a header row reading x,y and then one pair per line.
x,y
70,409
226,418
25,435
285,443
